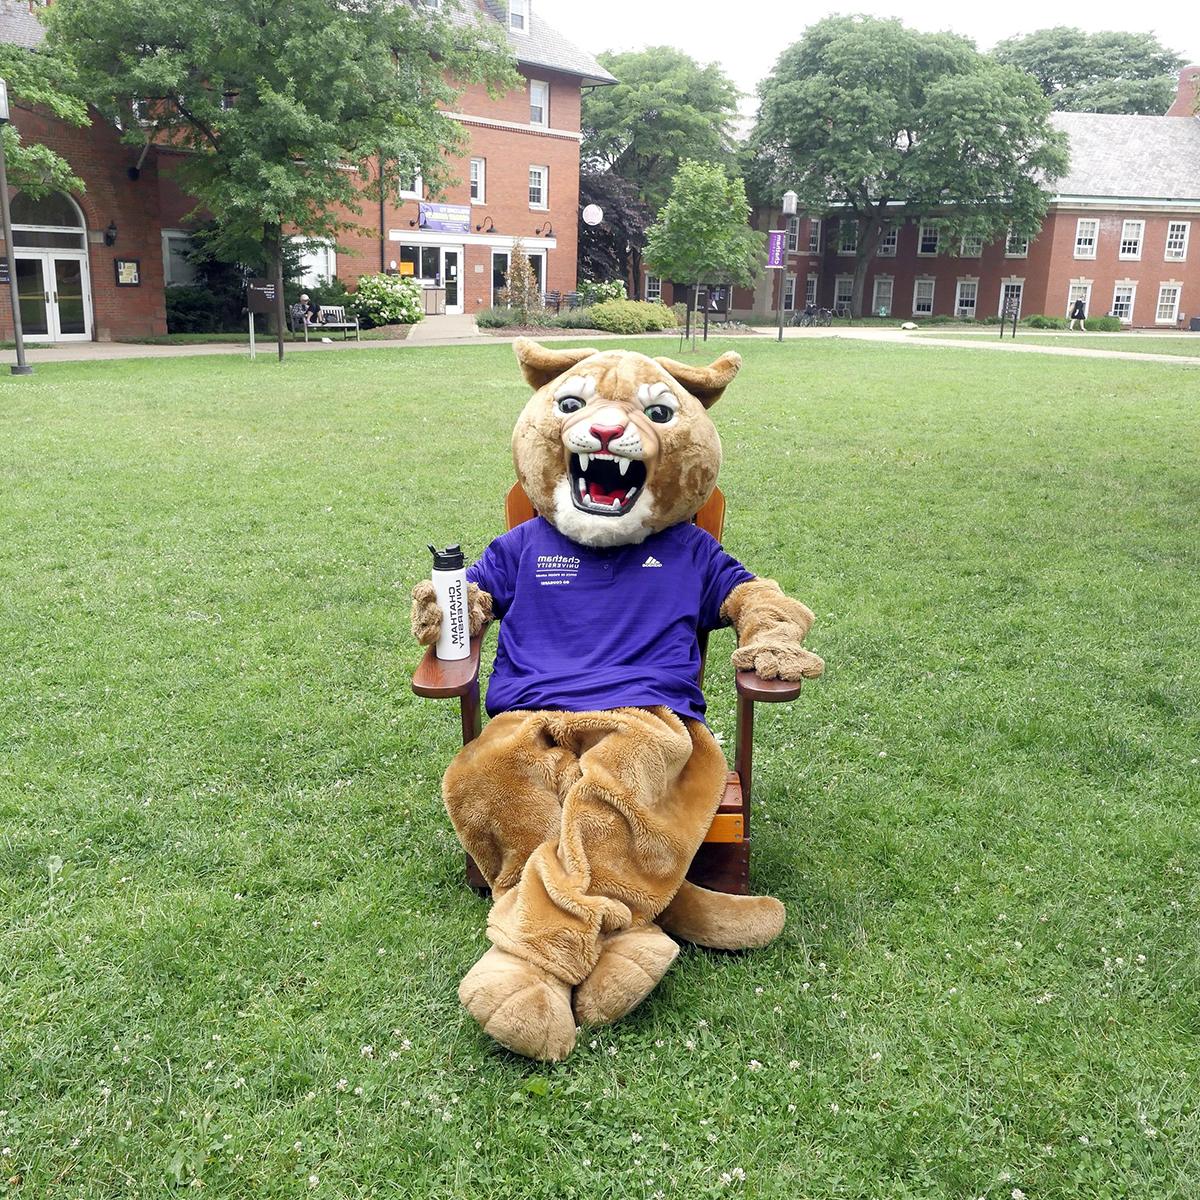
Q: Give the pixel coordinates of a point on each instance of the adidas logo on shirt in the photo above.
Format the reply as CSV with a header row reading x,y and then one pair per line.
x,y
652,562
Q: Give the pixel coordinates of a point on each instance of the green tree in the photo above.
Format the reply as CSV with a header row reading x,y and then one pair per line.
x,y
287,111
1096,72
665,108
870,119
520,291
40,80
703,234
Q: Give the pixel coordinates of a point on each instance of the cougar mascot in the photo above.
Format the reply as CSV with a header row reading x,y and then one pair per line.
x,y
596,779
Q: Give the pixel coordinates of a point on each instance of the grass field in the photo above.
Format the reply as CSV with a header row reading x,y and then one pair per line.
x,y
1185,344
232,918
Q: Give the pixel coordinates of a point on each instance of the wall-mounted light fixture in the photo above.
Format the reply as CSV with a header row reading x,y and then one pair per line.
x,y
488,226
110,234
545,229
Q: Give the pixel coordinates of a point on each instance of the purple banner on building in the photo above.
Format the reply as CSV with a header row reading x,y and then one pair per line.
x,y
775,248
445,218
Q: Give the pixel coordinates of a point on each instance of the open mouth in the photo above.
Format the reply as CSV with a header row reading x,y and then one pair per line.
x,y
605,484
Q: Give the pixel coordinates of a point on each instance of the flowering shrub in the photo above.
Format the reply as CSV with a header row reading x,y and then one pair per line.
x,y
387,300
597,293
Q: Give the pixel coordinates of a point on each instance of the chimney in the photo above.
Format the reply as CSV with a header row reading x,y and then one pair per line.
x,y
1187,99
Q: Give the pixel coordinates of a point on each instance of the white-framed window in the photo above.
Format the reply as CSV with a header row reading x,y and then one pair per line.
x,y
1087,230
814,235
848,236
537,260
518,15
789,293
810,292
1011,294
1016,246
478,180
412,186
1167,310
922,298
1124,295
318,263
971,246
793,232
966,297
178,269
927,240
653,288
539,102
1177,241
539,187
1132,233
1080,289
887,244
843,292
881,296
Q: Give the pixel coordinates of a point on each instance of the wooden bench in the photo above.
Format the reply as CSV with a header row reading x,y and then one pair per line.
x,y
552,302
333,316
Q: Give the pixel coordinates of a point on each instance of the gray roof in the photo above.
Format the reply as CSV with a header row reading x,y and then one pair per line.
x,y
543,46
1147,158
19,25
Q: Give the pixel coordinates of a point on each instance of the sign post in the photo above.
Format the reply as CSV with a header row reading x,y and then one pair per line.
x,y
20,367
260,298
777,254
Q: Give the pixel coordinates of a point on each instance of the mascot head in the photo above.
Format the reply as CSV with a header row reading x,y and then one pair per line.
x,y
615,446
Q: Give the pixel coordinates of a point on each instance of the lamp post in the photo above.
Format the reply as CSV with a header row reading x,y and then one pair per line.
x,y
789,210
21,367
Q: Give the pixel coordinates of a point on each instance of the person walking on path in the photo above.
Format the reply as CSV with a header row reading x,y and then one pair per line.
x,y
1078,313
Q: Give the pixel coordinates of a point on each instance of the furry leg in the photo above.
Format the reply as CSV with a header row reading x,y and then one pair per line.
x,y
628,970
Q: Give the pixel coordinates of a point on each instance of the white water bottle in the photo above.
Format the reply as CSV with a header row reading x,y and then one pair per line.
x,y
450,584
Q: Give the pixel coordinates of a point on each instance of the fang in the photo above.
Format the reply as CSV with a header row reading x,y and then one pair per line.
x,y
623,465
584,459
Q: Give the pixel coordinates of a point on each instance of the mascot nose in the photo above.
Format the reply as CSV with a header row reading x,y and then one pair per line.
x,y
606,433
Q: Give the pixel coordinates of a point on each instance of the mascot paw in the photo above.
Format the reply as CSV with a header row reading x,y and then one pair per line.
x,y
628,970
523,1007
778,662
722,921
426,615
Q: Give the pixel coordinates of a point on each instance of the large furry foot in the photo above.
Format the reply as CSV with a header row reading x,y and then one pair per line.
x,y
722,921
628,970
520,1005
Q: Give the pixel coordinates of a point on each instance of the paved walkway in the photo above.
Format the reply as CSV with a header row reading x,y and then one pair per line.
x,y
462,331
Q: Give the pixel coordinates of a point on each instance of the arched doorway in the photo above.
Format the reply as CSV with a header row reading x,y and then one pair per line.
x,y
53,282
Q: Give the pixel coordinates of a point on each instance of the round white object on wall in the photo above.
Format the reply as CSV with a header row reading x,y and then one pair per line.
x,y
593,214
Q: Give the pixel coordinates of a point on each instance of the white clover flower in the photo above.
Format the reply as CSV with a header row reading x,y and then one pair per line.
x,y
635,1137
313,1181
754,1065
366,1051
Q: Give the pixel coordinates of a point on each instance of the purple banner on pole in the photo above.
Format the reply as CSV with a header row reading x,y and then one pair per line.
x,y
775,248
445,218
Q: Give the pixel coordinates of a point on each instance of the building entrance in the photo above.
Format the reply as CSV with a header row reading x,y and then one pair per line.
x,y
53,282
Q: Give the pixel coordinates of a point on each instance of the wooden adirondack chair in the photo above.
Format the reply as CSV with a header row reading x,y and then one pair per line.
x,y
723,862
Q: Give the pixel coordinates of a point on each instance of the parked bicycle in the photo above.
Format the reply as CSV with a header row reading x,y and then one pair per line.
x,y
808,317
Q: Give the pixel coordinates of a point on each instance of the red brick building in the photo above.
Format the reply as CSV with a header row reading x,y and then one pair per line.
x,y
1122,234
94,266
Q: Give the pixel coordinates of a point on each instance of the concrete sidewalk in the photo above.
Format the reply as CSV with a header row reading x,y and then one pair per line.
x,y
462,331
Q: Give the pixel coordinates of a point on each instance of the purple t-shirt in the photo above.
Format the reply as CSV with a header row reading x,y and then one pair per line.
x,y
585,629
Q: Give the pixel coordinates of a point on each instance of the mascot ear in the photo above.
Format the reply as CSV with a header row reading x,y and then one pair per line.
x,y
705,383
540,364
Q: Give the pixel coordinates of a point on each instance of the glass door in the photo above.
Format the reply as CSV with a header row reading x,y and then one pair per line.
x,y
69,303
33,295
450,280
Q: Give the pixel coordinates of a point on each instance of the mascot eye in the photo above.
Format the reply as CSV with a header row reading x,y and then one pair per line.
x,y
660,414
569,404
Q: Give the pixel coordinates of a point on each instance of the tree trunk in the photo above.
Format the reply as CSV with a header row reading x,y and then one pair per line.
x,y
870,229
280,307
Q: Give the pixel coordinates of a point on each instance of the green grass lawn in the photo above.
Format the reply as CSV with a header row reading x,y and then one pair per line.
x,y
1186,344
232,916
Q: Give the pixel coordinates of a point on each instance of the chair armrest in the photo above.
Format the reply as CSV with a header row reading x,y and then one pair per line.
x,y
441,679
769,691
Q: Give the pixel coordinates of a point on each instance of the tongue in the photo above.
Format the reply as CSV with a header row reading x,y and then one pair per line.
x,y
599,494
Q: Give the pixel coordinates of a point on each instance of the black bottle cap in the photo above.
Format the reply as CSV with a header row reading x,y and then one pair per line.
x,y
450,559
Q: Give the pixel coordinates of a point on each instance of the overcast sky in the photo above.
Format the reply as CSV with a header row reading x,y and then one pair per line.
x,y
746,37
